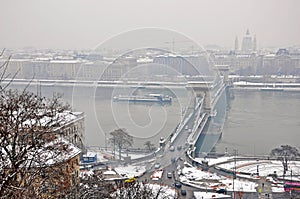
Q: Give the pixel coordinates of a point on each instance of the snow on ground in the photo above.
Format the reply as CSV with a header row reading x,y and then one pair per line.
x,y
157,175
212,181
239,185
265,167
136,156
158,191
192,173
102,155
106,155
131,171
86,173
165,191
214,161
208,195
278,189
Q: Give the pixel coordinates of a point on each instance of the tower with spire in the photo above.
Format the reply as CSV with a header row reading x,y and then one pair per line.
x,y
254,44
247,45
236,44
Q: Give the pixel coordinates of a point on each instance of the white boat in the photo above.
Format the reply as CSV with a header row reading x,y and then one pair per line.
x,y
146,98
271,89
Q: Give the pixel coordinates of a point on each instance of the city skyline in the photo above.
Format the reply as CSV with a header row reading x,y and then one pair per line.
x,y
83,25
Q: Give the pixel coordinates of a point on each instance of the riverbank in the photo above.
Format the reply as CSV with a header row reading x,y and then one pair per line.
x,y
266,86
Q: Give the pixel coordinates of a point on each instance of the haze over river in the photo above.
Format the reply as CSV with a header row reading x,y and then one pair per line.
x,y
256,121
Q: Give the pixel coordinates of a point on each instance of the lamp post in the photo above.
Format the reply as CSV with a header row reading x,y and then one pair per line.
x,y
291,181
105,141
257,166
234,172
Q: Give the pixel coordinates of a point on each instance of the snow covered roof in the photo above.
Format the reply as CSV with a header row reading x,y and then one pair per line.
x,y
90,154
209,195
70,152
46,155
131,171
109,172
72,61
61,118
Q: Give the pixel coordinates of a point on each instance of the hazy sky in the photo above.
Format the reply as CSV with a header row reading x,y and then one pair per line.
x,y
85,23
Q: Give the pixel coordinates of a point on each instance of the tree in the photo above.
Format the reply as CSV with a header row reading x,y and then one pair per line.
x,y
3,69
148,145
138,190
28,142
121,139
94,186
285,153
29,149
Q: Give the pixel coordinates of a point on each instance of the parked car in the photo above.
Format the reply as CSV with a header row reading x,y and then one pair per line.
x,y
169,175
173,160
157,165
223,191
177,184
183,192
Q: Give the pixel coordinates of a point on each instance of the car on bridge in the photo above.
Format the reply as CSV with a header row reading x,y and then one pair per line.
x,y
172,148
169,175
156,166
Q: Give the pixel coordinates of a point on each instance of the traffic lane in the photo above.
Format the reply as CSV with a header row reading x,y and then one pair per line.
x,y
170,181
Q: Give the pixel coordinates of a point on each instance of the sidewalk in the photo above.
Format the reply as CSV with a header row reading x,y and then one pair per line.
x,y
264,189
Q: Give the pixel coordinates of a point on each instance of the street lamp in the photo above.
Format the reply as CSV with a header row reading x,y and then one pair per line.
x,y
257,166
105,141
234,172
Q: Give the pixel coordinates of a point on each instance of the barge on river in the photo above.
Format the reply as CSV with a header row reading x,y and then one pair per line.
x,y
158,98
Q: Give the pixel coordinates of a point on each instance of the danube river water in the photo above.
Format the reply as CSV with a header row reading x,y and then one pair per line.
x,y
258,121
144,121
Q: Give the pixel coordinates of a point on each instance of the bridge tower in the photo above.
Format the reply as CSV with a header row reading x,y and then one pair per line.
x,y
202,89
223,69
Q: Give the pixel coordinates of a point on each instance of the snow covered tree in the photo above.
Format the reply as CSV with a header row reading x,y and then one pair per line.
x,y
92,185
120,139
138,190
150,146
30,153
285,153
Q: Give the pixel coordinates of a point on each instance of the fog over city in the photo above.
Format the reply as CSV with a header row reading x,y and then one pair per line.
x,y
149,99
80,24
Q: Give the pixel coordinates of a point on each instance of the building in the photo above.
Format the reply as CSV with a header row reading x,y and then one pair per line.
x,y
52,171
73,129
280,63
61,176
241,64
248,43
182,64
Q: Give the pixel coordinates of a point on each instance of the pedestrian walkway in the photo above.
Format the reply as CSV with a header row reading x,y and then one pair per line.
x,y
264,189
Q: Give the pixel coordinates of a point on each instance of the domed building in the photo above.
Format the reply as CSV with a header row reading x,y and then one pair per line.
x,y
248,43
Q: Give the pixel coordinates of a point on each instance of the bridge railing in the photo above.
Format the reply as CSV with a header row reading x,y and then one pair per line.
x,y
181,126
201,123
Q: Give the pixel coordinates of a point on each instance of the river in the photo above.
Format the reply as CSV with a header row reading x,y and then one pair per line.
x,y
144,121
258,121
